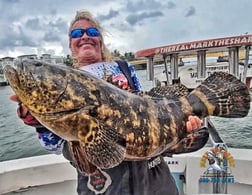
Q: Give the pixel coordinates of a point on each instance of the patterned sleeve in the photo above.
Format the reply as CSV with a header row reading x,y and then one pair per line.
x,y
50,141
135,79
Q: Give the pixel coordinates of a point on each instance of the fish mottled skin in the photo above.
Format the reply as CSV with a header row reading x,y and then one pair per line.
x,y
105,125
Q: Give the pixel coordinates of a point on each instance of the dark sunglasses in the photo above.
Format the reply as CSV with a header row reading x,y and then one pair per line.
x,y
79,32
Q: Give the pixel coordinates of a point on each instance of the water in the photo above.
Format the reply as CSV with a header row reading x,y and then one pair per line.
x,y
18,140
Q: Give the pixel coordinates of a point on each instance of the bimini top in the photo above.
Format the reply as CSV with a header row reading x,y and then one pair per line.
x,y
211,45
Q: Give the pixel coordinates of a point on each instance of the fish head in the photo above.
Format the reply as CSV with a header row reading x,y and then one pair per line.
x,y
45,88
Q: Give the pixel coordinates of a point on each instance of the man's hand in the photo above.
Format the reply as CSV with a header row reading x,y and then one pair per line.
x,y
193,122
23,113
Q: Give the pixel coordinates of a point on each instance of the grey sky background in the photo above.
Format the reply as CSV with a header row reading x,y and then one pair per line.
x,y
37,27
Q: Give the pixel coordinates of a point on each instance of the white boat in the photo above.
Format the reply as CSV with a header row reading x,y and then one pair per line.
x,y
52,174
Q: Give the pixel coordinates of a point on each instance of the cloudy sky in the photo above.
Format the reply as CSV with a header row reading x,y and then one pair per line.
x,y
37,27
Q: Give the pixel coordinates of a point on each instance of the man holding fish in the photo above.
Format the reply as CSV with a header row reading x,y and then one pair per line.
x,y
149,176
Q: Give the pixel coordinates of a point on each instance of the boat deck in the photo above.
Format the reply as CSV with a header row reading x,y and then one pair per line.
x,y
52,174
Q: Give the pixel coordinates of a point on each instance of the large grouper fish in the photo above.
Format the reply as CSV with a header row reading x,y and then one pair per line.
x,y
105,125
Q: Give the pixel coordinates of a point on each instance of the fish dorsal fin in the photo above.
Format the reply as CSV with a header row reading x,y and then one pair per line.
x,y
79,158
169,91
104,148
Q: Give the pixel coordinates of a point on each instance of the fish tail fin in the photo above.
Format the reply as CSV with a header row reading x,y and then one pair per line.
x,y
221,94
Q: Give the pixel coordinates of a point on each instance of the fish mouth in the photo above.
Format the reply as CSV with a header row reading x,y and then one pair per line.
x,y
38,86
11,75
14,74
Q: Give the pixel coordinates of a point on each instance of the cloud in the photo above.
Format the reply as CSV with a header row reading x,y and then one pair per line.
x,y
132,19
14,36
148,5
112,13
135,6
171,5
34,23
27,25
190,11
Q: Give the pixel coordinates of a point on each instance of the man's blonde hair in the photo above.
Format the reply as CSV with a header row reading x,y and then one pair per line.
x,y
83,14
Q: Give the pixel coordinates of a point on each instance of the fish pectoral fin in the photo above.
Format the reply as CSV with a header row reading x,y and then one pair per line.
x,y
104,148
191,143
79,158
